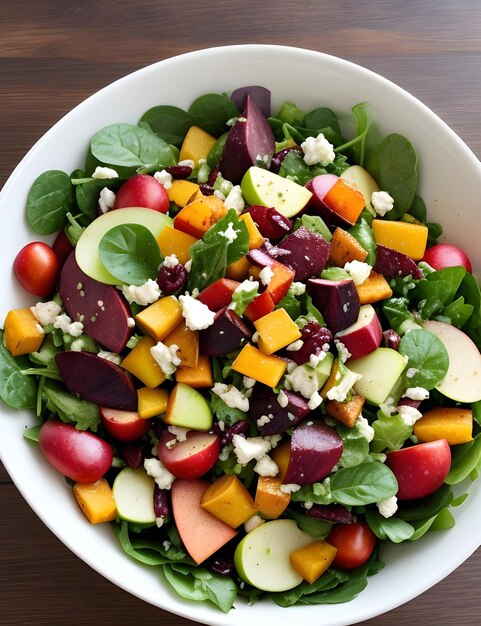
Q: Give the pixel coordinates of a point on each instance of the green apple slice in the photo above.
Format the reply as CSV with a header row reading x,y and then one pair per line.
x,y
188,408
87,249
360,179
262,187
262,557
380,371
133,492
462,382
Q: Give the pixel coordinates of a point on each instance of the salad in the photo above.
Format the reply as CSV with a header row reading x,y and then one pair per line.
x,y
250,354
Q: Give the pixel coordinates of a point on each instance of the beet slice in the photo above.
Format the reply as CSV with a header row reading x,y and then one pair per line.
x,y
309,253
335,513
101,308
314,338
224,335
271,224
337,300
249,138
393,264
96,379
264,402
260,95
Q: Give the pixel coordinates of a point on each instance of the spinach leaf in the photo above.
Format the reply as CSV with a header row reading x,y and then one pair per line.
x,y
242,298
392,528
364,484
213,253
363,120
87,196
329,580
318,493
364,235
390,432
294,167
465,458
322,118
316,528
131,147
394,166
470,290
212,111
199,583
458,312
130,253
398,315
49,201
451,277
84,414
45,355
215,152
476,407
169,122
428,359
32,433
418,510
225,413
431,297
291,305
16,389
418,209
441,521
356,446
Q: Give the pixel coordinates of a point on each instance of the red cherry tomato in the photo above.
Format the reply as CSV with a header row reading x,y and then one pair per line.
x,y
354,543
142,190
36,267
446,255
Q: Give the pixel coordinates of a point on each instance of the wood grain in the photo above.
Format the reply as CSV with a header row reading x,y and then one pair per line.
x,y
53,54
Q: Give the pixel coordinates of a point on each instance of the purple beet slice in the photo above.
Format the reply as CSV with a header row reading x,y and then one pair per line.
x,y
337,300
96,379
393,264
309,253
264,402
224,335
260,95
101,308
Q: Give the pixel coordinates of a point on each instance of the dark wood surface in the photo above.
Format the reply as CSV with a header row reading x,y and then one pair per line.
x,y
55,53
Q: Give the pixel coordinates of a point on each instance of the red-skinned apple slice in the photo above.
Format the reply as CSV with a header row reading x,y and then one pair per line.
x,y
365,335
123,425
421,469
190,458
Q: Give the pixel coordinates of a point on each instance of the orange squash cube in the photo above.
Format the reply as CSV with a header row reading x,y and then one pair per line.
x,y
373,289
142,364
196,145
173,241
239,269
256,240
276,330
23,334
270,501
160,318
96,501
187,342
281,455
198,216
197,377
181,191
262,367
313,560
228,500
345,201
454,424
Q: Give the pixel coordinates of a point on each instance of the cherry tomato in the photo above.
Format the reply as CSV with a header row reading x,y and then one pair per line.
x,y
36,267
62,247
446,255
354,543
142,190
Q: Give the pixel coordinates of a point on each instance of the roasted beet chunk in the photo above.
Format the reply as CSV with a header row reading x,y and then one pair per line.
x,y
308,253
315,339
224,335
271,416
271,224
393,264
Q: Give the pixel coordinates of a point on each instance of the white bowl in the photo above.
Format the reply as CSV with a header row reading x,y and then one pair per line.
x,y
450,183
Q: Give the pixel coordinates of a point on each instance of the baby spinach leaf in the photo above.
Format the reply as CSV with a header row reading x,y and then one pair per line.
x,y
32,433
130,253
390,432
318,493
476,407
418,209
458,312
394,166
49,201
169,122
428,359
363,120
451,277
397,312
470,290
363,233
16,389
356,446
225,413
392,528
212,111
364,484
329,580
464,459
441,521
317,528
322,118
315,224
294,167
215,152
84,414
242,298
130,146
416,510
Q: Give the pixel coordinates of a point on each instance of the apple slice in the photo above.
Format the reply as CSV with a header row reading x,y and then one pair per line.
x,y
462,383
133,492
201,532
123,425
380,370
191,458
360,179
259,186
365,335
262,557
420,469
188,408
87,249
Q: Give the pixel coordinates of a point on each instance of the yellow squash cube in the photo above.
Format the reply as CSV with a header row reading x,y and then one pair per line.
x,y
228,500
160,318
23,334
256,240
181,191
197,377
410,239
196,145
312,560
270,501
151,402
261,367
96,501
142,364
173,241
276,330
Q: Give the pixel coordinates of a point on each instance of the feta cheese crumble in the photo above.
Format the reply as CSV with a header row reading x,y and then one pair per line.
x,y
229,233
314,401
166,357
103,173
297,288
387,507
282,399
106,199
344,353
179,432
409,414
164,178
234,398
253,522
318,150
263,420
265,466
170,261
295,345
197,315
46,312
113,357
251,448
358,271
340,391
290,488
266,275
65,324
382,202
159,473
235,199
416,393
365,428
144,294
303,379
248,382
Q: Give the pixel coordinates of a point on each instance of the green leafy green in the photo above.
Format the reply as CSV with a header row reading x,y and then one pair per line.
x,y
212,111
16,389
316,528
356,446
363,233
130,253
428,360
315,224
430,506
366,483
243,297
82,413
465,458
390,432
48,202
392,528
169,122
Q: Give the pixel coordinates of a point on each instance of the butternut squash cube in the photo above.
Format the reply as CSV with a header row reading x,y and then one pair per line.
x,y
261,367
453,424
373,289
187,342
345,248
160,318
142,364
181,191
270,501
346,412
198,216
281,455
239,269
151,402
410,239
196,145
23,334
256,240
345,201
228,500
96,501
173,241
313,560
197,377
276,330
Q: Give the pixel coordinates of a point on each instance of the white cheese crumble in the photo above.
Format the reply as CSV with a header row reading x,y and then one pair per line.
x,y
130,322
65,324
290,488
113,357
164,178
282,399
297,289
248,382
106,199
265,466
416,393
103,173
295,345
344,353
166,357
235,200
253,522
234,398
315,359
144,294
170,261
358,271
266,275
247,286
387,507
159,521
318,150
409,414
179,432
255,337
197,315
263,420
229,233
365,428
382,202
188,265
340,391
46,312
303,378
187,163
251,448
411,372
314,401
159,473
219,194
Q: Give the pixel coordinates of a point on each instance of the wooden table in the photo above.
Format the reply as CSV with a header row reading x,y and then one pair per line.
x,y
53,54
